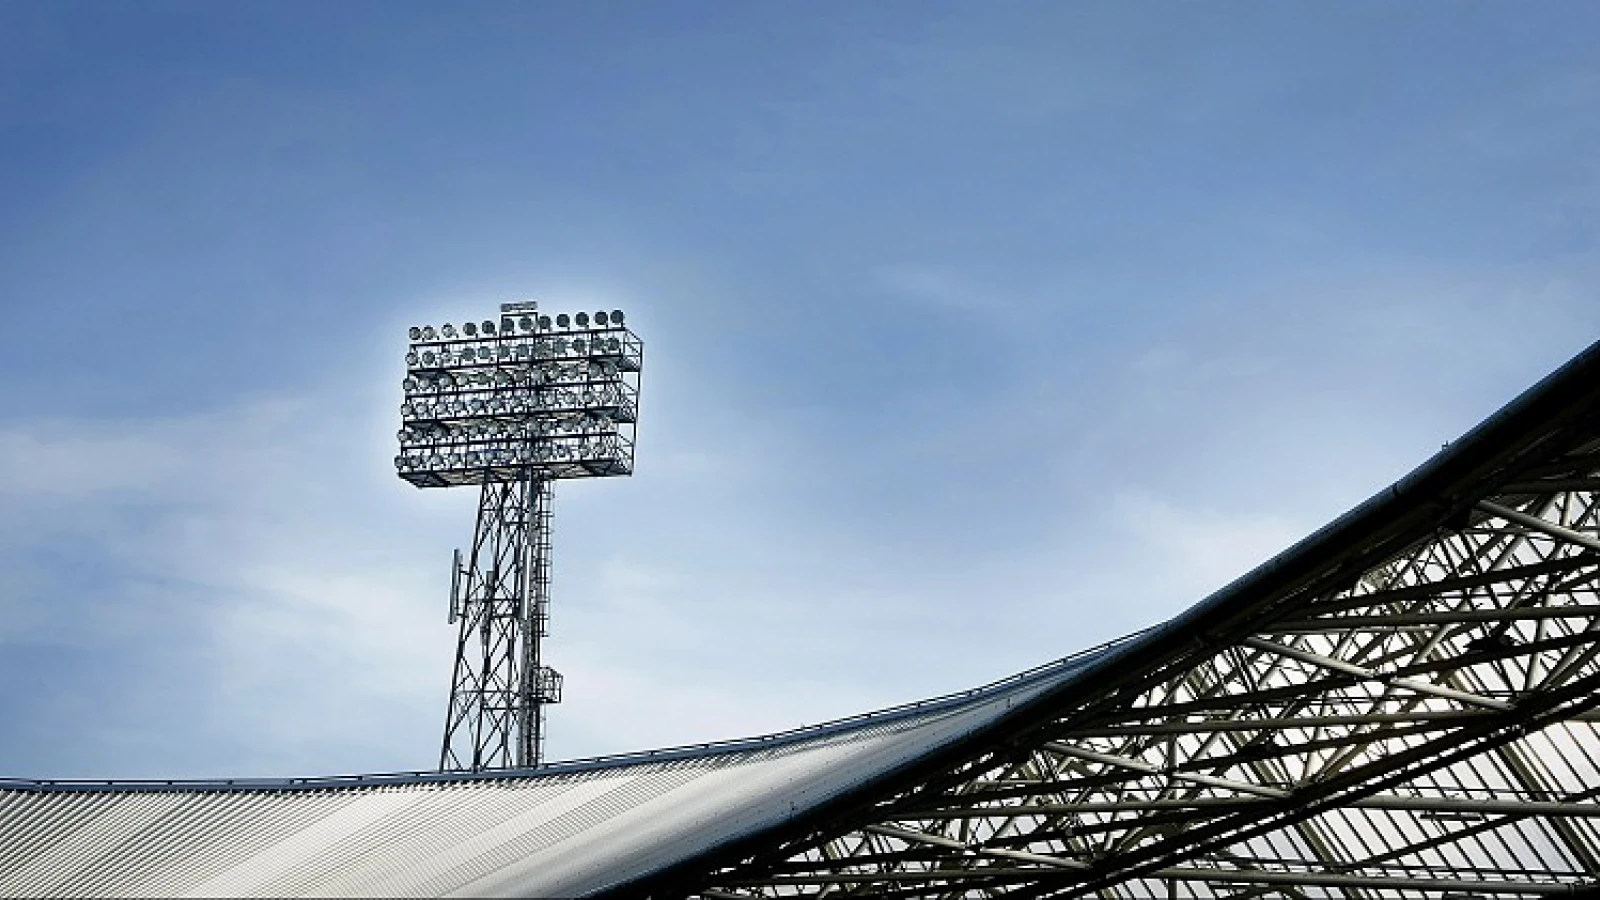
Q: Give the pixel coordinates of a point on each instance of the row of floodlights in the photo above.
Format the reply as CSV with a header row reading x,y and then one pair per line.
x,y
526,324
493,430
511,405
482,353
524,455
596,370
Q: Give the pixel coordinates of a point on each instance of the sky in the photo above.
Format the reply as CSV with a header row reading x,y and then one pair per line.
x,y
977,334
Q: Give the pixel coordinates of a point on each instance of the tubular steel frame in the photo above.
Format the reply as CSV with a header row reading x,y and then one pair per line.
x,y
1404,705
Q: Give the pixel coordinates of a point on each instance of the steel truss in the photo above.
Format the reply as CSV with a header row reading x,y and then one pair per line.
x,y
1412,715
501,596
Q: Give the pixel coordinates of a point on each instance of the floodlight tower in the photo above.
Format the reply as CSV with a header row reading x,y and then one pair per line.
x,y
511,405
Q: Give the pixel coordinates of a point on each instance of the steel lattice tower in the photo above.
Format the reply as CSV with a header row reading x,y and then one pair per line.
x,y
501,598
512,407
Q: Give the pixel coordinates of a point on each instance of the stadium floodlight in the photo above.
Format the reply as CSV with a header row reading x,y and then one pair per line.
x,y
509,408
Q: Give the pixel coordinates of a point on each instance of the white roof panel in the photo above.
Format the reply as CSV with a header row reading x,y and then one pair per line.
x,y
560,831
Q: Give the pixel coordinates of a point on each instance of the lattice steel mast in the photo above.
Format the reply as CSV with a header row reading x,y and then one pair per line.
x,y
512,407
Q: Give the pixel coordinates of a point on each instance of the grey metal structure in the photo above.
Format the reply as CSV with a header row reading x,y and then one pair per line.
x,y
512,405
1402,705
501,597
1406,704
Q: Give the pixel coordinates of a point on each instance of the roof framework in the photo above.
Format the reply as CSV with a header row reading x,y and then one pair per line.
x,y
1403,705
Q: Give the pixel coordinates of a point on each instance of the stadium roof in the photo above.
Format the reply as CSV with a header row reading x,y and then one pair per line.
x,y
564,830
1400,705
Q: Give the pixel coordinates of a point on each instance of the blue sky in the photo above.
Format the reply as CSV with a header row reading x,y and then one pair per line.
x,y
977,334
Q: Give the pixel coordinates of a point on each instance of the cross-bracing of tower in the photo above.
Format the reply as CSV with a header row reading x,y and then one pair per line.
x,y
511,405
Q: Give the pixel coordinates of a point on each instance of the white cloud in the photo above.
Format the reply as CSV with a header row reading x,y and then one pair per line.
x,y
240,538
1192,551
938,287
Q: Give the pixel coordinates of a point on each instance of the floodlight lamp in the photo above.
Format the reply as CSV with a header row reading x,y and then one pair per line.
x,y
600,318
427,333
613,345
544,323
427,358
563,321
416,333
469,329
488,327
577,345
411,358
449,331
583,320
483,353
506,325
525,323
616,317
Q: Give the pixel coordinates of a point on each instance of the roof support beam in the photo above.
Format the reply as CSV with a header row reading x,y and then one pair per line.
x,y
1445,718
1538,524
1485,807
1108,759
1339,665
1513,614
1391,883
1551,486
919,837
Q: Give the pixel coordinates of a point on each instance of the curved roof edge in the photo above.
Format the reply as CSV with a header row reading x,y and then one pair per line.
x,y
775,740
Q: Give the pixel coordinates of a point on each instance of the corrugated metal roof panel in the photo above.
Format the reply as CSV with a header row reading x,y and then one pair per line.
x,y
565,830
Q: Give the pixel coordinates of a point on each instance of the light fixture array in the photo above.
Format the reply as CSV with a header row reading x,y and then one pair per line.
x,y
488,402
